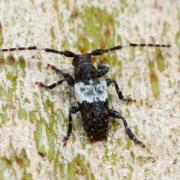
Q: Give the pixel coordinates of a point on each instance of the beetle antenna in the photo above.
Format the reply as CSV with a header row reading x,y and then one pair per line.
x,y
98,52
30,48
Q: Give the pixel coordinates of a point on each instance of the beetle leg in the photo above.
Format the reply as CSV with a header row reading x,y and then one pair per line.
x,y
52,86
119,92
69,79
116,114
72,110
102,70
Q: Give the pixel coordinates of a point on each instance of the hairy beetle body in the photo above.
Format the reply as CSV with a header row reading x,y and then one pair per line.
x,y
95,118
93,91
90,92
92,98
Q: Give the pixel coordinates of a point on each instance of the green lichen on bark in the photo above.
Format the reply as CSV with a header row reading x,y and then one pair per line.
x,y
9,166
1,35
160,61
154,80
34,121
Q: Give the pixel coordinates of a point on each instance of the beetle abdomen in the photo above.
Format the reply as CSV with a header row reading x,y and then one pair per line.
x,y
95,119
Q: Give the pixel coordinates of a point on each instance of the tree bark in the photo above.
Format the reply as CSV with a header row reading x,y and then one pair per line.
x,y
34,121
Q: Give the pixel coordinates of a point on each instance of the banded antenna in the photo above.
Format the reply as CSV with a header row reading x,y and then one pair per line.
x,y
31,48
96,52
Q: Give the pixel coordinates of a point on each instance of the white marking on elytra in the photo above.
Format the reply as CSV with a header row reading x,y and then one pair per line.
x,y
91,92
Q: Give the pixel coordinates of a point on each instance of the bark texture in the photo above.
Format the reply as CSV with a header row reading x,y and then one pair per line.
x,y
34,121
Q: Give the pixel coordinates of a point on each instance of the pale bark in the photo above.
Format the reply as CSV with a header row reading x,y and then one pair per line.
x,y
33,121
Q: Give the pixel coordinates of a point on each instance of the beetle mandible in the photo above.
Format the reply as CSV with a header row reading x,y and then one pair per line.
x,y
90,92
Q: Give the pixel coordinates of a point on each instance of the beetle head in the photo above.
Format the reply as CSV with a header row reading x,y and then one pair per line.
x,y
83,68
79,59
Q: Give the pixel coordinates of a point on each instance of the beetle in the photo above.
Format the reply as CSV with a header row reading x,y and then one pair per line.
x,y
90,91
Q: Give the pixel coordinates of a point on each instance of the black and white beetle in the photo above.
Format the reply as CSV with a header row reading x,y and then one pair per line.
x,y
90,92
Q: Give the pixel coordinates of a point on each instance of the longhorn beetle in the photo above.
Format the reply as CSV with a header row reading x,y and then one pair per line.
x,y
90,91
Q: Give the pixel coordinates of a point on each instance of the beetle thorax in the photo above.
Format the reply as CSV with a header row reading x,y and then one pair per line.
x,y
91,92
